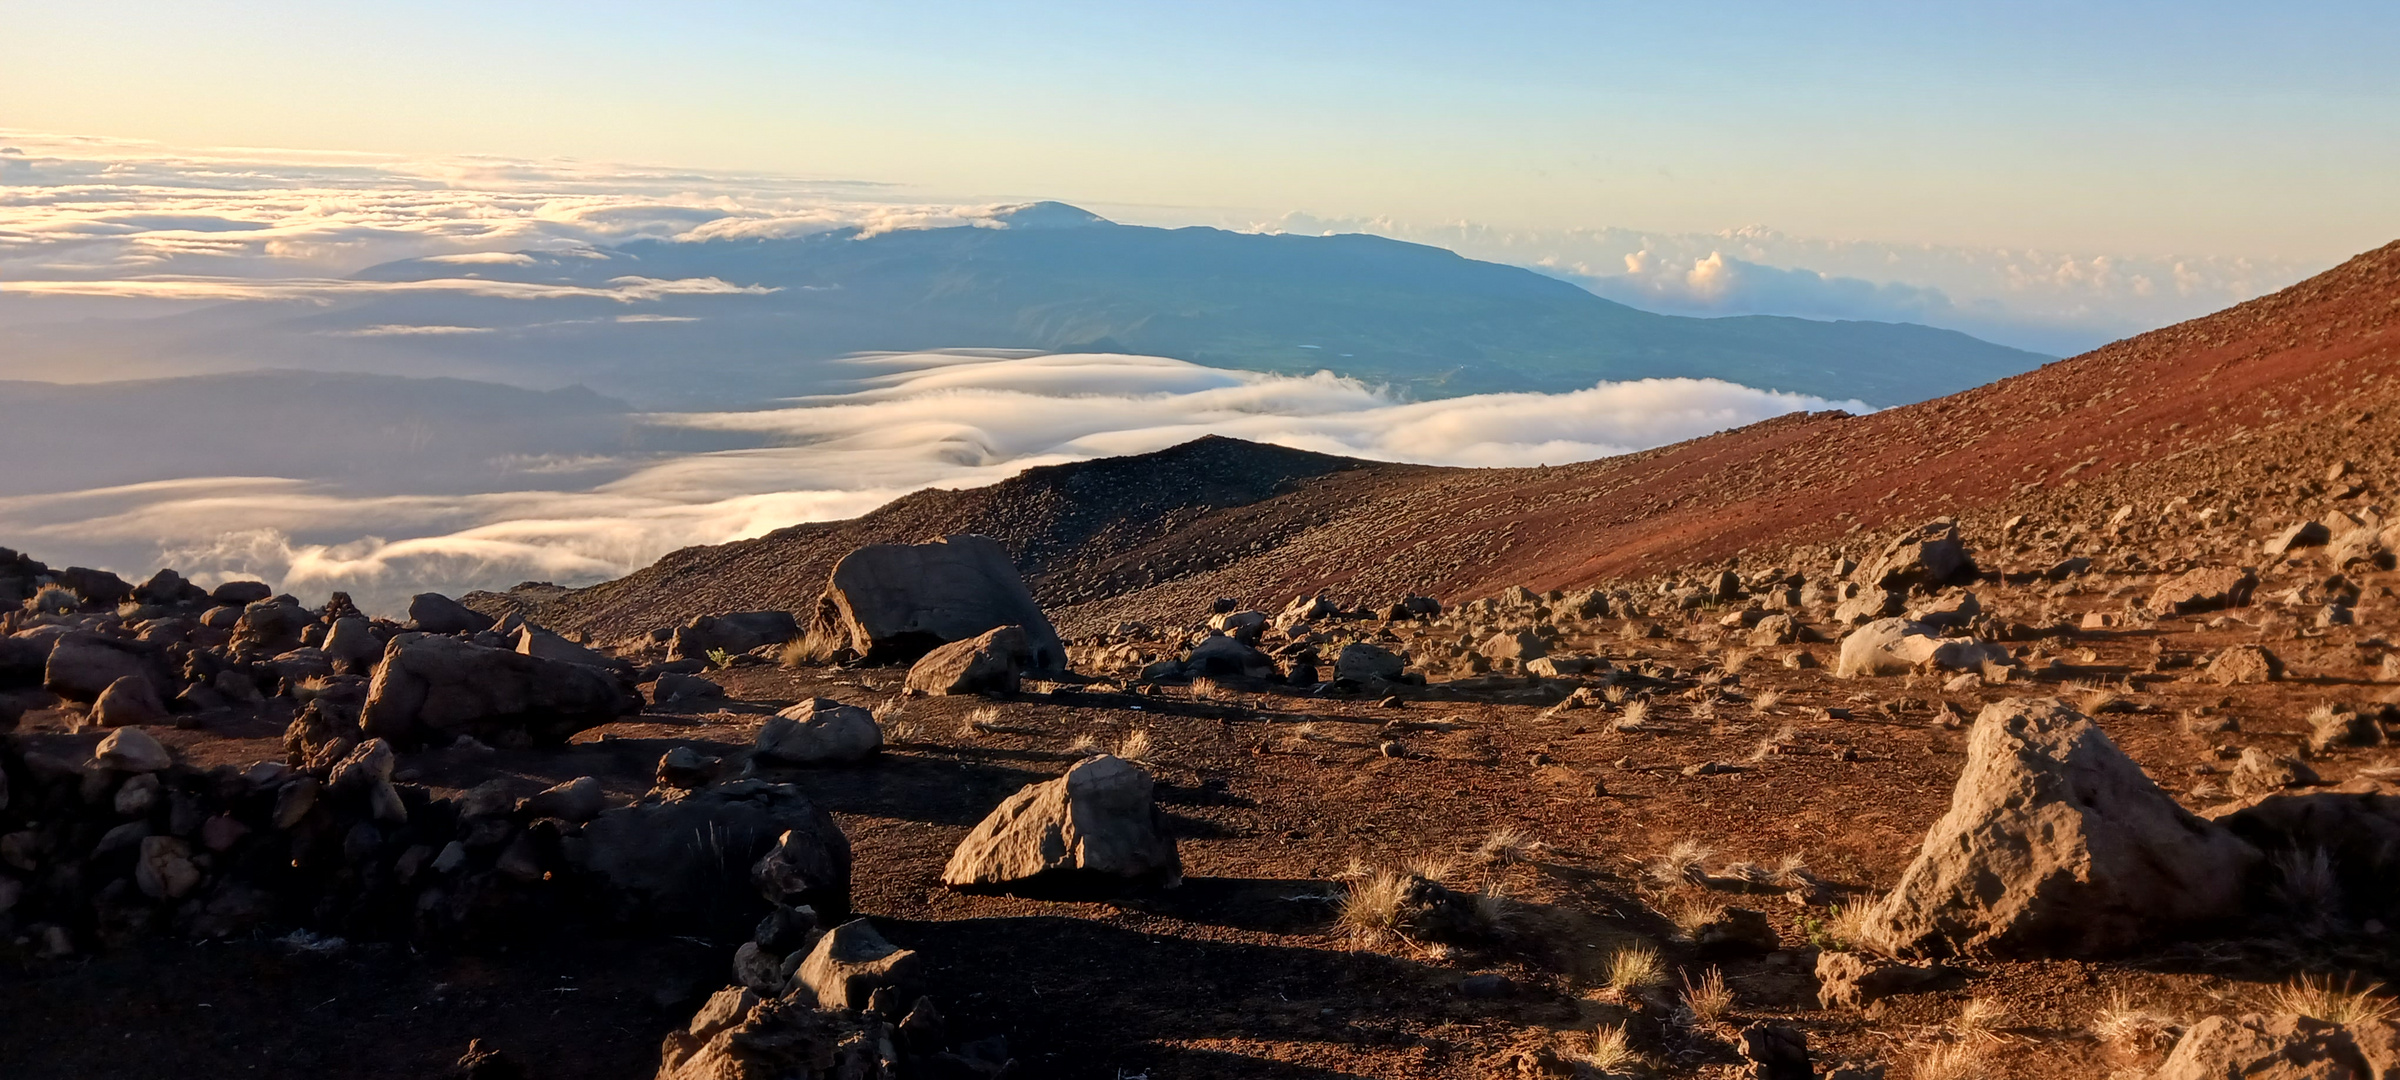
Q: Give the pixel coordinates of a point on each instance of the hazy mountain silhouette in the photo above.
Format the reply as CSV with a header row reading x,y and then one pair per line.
x,y
1048,277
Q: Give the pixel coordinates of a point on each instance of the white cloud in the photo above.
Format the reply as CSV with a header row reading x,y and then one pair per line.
x,y
482,258
924,420
177,287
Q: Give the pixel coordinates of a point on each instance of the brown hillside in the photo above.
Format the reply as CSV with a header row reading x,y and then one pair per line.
x,y
1152,534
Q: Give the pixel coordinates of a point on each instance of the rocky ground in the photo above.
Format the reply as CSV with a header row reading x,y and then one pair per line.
x,y
1622,821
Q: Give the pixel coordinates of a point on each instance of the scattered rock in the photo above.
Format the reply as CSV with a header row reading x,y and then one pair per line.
x,y
434,613
650,869
435,689
1900,646
989,662
2278,1048
2206,589
131,750
2260,773
673,686
129,700
1098,822
2245,664
819,731
2057,844
686,769
851,962
891,602
1365,663
731,633
1932,555
1849,980
1774,1052
578,800
2302,534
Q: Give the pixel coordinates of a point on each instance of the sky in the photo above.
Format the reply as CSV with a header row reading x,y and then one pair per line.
x,y
2143,130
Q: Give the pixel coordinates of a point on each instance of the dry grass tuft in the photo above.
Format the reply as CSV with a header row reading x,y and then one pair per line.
x,y
1612,1050
1635,714
1951,1061
2346,1002
1205,688
1691,915
2308,886
1083,744
1370,905
1684,862
1773,744
1854,927
1735,660
2134,1030
1978,1021
1709,1000
1135,746
1635,968
1508,846
812,649
1766,702
982,721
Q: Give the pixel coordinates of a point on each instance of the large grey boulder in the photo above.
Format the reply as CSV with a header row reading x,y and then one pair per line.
x,y
1097,824
731,632
350,644
895,602
434,613
2056,844
851,962
991,661
819,731
1899,646
688,863
535,641
431,690
1930,555
82,664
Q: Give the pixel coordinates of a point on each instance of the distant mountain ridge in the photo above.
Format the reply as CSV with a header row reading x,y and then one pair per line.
x,y
1054,277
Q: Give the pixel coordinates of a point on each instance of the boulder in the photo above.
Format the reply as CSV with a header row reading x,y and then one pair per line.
x,y
1218,656
435,689
1361,662
687,863
1951,610
740,1036
167,587
1868,605
851,962
988,662
164,870
1848,980
2256,1047
578,800
434,613
238,594
1774,1052
1931,555
2258,772
2245,664
803,871
674,686
1777,629
95,586
1519,645
731,633
128,701
687,769
351,646
1900,646
896,602
2357,833
2302,534
535,641
270,627
131,750
819,731
1096,824
2205,589
82,665
2056,844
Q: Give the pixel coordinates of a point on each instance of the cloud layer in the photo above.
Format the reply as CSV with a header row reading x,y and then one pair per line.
x,y
923,420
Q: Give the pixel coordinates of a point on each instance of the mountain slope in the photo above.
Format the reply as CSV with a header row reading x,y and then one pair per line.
x,y
2248,407
1057,279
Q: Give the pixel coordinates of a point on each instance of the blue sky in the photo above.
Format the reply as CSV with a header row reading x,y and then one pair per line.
x,y
2200,128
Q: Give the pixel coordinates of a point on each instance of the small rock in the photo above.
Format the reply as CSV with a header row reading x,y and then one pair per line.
x,y
851,962
578,800
819,731
2245,664
687,769
129,700
131,750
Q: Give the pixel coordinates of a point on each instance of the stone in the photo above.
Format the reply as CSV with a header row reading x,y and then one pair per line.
x,y
1365,663
649,869
578,800
131,750
1098,823
240,593
535,641
96,586
1777,629
434,613
1218,656
136,796
2303,534
687,769
1735,931
989,662
674,686
1849,980
740,1036
82,665
1520,645
432,690
294,801
731,633
1931,555
167,587
2208,588
1951,610
819,731
128,701
351,646
2261,773
2245,664
804,873
270,627
1868,605
895,602
1899,646
758,969
1306,609
2256,1047
851,962
164,869
2057,845
1774,1052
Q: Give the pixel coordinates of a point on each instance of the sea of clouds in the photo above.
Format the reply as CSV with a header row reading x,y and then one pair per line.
x,y
921,420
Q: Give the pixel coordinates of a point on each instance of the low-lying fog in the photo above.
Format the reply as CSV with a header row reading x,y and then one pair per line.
x,y
384,487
